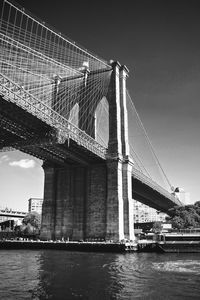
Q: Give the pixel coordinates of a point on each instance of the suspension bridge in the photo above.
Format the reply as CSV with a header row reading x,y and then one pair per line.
x,y
65,105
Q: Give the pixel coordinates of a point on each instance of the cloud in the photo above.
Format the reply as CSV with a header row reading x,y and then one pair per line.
x,y
4,158
23,163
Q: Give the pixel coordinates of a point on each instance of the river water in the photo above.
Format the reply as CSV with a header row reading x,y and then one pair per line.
x,y
67,275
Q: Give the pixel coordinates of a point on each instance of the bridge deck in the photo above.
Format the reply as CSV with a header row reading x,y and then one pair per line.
x,y
12,92
23,131
150,193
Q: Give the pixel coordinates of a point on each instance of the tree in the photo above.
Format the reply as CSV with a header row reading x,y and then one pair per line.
x,y
31,224
177,222
157,227
32,218
197,207
184,217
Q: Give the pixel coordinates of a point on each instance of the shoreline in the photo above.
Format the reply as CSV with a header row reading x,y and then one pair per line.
x,y
69,246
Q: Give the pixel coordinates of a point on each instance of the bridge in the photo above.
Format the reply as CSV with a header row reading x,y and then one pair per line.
x,y
63,104
12,213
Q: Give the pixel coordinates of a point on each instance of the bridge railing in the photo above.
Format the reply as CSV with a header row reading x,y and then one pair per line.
x,y
13,214
13,92
143,178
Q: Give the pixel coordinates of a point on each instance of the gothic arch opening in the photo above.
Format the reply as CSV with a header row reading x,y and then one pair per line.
x,y
74,115
102,122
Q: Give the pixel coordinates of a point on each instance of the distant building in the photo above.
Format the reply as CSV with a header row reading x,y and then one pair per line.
x,y
35,204
183,196
144,214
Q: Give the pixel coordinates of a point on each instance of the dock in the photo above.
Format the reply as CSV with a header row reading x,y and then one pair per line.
x,y
69,245
146,245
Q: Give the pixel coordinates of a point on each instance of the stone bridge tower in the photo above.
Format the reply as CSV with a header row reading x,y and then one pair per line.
x,y
94,201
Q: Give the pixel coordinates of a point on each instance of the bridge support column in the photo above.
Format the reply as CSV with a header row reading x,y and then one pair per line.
x,y
128,201
63,213
96,202
49,204
74,204
127,162
114,205
120,222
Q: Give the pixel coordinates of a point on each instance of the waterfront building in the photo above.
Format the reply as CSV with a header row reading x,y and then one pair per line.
x,y
144,214
35,204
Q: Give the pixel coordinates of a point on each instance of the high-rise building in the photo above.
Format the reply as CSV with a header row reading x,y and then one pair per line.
x,y
35,204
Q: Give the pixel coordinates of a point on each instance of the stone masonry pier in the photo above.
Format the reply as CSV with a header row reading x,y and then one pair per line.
x,y
94,201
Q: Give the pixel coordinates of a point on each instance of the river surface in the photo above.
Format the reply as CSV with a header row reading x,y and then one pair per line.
x,y
58,275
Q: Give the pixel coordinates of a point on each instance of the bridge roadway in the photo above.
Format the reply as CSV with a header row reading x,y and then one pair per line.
x,y
12,214
23,127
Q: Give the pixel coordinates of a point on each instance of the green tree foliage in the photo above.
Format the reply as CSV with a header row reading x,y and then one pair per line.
x,y
187,216
157,227
31,224
197,207
32,218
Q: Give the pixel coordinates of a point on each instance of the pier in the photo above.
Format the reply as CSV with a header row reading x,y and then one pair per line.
x,y
120,247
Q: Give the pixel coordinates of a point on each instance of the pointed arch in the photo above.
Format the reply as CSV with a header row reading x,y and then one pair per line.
x,y
102,122
74,115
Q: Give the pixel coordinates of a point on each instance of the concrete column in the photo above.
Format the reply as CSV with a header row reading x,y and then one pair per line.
x,y
49,204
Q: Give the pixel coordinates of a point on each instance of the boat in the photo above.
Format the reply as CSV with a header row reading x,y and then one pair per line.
x,y
184,241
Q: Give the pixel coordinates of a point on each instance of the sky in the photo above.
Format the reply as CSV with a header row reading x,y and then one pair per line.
x,y
159,43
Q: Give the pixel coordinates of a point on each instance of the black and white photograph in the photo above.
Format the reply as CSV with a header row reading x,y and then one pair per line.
x,y
100,150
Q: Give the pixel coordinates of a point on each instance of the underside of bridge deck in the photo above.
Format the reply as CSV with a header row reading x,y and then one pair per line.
x,y
22,131
151,197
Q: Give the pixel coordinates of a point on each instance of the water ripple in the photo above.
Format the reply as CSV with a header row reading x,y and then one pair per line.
x,y
188,266
65,275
